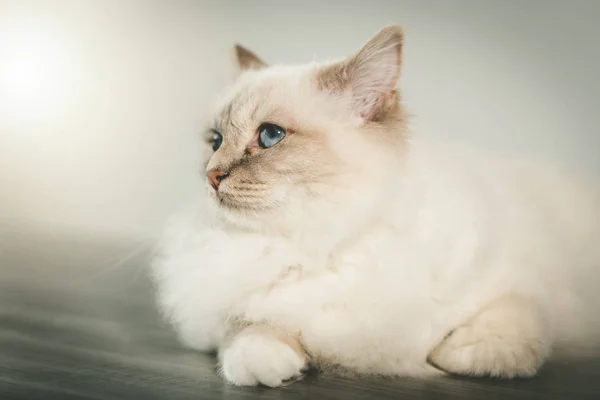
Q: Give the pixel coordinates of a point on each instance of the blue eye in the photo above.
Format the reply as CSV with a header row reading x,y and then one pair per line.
x,y
269,135
217,140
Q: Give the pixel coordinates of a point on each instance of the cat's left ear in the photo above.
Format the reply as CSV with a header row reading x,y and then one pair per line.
x,y
369,77
247,60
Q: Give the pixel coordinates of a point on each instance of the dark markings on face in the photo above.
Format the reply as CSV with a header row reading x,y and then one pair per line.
x,y
225,116
243,112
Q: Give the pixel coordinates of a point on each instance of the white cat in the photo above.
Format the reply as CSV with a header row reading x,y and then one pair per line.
x,y
329,237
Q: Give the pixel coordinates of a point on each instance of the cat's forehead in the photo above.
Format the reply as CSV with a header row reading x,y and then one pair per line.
x,y
267,94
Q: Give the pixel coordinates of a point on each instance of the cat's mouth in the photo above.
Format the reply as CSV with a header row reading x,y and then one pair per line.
x,y
238,202
229,202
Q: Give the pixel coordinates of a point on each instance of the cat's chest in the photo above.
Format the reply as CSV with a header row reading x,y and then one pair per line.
x,y
378,253
373,271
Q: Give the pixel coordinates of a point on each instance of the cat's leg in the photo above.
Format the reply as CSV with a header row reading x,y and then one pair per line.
x,y
508,338
260,354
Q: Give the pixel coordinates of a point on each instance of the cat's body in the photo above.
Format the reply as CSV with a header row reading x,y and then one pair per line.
x,y
399,257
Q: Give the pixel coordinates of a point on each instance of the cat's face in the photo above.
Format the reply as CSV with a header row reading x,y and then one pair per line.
x,y
293,143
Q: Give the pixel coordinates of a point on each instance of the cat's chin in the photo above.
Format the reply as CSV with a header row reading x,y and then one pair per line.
x,y
244,218
238,214
229,203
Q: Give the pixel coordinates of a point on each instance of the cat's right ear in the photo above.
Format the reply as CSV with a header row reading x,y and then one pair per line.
x,y
369,78
247,60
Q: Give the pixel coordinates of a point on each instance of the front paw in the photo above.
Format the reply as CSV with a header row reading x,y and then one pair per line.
x,y
261,357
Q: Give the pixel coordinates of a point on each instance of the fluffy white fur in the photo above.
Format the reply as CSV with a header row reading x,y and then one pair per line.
x,y
420,258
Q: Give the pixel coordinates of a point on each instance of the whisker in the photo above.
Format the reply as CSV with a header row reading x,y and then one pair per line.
x,y
144,265
246,190
120,262
251,183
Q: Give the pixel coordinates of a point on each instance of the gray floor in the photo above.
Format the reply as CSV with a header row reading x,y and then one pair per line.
x,y
77,322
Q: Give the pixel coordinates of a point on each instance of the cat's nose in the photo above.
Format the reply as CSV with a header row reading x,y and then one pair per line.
x,y
215,177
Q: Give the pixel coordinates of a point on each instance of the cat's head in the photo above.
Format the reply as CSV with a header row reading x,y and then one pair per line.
x,y
293,144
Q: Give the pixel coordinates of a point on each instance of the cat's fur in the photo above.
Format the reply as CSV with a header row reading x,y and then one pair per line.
x,y
352,244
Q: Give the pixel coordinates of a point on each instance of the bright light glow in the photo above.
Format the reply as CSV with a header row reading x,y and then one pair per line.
x,y
36,72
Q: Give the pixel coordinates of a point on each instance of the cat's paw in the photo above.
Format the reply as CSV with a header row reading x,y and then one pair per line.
x,y
256,358
507,340
465,352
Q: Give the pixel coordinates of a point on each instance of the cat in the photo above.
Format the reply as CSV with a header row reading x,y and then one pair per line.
x,y
328,236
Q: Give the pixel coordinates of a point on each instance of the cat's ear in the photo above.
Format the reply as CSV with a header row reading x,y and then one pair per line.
x,y
247,60
371,75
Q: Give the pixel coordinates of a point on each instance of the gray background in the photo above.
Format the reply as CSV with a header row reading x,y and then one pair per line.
x,y
101,101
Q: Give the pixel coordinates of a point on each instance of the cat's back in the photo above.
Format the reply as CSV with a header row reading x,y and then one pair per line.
x,y
499,182
524,207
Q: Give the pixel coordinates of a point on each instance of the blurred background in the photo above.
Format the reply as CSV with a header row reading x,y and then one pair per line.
x,y
101,102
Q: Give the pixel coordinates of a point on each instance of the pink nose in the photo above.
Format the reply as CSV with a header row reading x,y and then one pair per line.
x,y
215,177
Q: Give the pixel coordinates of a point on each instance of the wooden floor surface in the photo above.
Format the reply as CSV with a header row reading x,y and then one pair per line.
x,y
77,321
